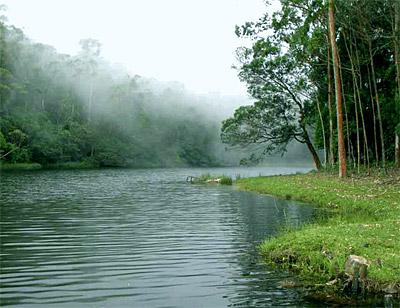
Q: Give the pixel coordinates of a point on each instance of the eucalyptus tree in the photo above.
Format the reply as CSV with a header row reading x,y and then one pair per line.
x,y
367,31
336,73
290,60
396,45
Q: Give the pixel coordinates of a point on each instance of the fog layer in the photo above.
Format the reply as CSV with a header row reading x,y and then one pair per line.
x,y
58,108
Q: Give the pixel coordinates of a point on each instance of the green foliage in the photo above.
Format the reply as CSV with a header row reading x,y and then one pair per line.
x,y
287,66
226,180
59,110
276,72
264,122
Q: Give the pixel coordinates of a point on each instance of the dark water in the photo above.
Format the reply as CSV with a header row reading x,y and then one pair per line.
x,y
138,238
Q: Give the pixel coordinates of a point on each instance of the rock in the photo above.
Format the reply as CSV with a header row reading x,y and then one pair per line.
x,y
356,268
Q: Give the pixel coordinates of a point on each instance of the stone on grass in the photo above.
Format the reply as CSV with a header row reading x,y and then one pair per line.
x,y
356,268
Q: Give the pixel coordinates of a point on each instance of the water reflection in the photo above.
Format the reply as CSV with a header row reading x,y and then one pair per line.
x,y
141,238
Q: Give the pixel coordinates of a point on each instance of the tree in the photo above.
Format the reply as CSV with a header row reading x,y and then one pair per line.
x,y
396,43
277,77
268,123
283,107
335,57
87,64
289,57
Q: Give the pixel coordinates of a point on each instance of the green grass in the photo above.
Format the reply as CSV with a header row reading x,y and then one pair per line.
x,y
226,180
19,166
72,166
362,217
57,166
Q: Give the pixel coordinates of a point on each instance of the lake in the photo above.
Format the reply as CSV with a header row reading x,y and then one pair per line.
x,y
139,238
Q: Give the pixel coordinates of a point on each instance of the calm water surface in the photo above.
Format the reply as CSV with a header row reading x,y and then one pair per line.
x,y
138,238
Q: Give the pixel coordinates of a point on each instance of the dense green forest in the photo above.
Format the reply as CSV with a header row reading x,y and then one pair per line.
x,y
56,108
310,80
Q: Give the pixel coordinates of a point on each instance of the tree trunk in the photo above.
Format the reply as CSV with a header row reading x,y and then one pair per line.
x,y
345,112
358,87
397,62
378,107
335,55
397,150
356,73
357,125
396,36
323,132
312,150
331,153
374,117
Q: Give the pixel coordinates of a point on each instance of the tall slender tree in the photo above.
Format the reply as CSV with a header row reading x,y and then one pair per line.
x,y
396,42
335,57
330,108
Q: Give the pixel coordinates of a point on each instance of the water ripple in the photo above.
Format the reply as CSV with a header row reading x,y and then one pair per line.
x,y
141,238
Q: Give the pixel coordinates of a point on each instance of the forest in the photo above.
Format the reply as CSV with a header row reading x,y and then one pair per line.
x,y
326,74
58,109
341,103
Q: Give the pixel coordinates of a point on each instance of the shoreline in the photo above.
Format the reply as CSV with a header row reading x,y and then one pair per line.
x,y
362,217
10,167
82,165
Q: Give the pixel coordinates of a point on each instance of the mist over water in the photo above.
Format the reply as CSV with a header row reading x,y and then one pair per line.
x,y
82,108
58,108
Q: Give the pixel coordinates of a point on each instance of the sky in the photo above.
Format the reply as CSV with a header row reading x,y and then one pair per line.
x,y
189,41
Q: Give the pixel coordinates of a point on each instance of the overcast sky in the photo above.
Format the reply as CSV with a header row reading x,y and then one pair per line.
x,y
190,41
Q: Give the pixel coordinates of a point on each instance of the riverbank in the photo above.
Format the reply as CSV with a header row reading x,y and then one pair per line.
x,y
361,216
37,166
84,165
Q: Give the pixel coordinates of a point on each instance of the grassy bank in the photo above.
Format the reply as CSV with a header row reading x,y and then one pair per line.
x,y
363,218
72,166
36,166
19,166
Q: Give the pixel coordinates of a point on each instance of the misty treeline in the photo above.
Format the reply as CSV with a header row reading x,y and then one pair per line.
x,y
313,73
56,108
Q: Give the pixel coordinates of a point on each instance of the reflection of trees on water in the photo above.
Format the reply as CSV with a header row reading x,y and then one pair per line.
x,y
88,238
255,219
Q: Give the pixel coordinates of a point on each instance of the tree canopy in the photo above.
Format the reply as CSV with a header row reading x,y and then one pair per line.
x,y
288,71
57,108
